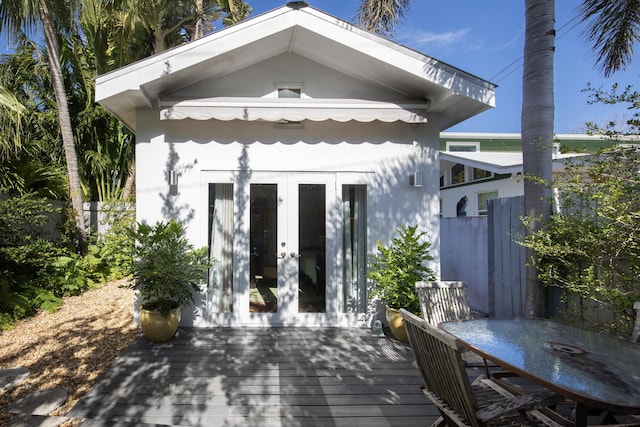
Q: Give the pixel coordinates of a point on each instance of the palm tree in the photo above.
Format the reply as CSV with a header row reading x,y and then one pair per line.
x,y
537,127
18,15
614,29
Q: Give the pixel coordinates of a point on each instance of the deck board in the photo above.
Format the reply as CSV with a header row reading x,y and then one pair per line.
x,y
263,377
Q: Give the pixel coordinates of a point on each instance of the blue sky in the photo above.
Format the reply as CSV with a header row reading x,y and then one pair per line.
x,y
486,38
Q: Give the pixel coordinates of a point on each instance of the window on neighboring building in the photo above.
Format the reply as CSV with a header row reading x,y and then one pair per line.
x,y
457,174
463,146
481,174
483,199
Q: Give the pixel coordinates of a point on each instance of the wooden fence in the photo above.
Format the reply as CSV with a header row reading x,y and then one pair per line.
x,y
483,251
506,257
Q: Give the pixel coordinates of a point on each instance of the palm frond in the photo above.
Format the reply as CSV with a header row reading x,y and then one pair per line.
x,y
613,30
381,16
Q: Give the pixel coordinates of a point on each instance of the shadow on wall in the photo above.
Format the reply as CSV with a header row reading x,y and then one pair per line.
x,y
391,199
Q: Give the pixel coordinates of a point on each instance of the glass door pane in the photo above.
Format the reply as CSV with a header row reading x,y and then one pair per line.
x,y
354,252
263,288
312,248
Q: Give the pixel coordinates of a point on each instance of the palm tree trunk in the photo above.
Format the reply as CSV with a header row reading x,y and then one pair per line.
x,y
129,185
66,129
537,123
199,32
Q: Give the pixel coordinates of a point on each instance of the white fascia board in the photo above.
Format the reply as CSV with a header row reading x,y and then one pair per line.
x,y
480,136
500,162
508,162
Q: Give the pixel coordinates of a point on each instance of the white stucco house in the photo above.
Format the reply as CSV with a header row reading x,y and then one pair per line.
x,y
289,144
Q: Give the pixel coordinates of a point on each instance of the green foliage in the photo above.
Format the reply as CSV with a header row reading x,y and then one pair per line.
x,y
31,159
76,273
394,270
616,95
167,268
36,270
118,242
591,246
47,301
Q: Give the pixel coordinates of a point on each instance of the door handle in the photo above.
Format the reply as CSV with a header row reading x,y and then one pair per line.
x,y
293,255
282,255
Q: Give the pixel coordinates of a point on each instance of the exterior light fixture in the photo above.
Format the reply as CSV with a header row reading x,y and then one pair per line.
x,y
173,177
173,182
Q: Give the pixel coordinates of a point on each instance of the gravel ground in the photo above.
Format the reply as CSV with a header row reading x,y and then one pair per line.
x,y
70,348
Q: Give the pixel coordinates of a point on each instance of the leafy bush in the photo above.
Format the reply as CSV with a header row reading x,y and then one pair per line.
x,y
25,256
394,270
35,271
76,274
118,243
591,247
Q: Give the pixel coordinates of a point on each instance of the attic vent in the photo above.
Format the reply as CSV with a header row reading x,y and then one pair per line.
x,y
297,4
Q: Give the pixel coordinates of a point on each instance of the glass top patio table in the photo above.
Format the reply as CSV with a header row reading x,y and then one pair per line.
x,y
593,369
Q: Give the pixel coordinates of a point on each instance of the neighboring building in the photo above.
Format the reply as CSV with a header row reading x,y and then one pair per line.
x,y
476,167
290,143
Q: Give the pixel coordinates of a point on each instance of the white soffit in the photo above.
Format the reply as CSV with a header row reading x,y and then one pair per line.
x,y
273,110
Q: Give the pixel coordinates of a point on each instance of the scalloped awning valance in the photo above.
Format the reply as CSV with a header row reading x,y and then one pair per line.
x,y
293,110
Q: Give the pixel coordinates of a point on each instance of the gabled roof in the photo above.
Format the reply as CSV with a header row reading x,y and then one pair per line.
x,y
297,28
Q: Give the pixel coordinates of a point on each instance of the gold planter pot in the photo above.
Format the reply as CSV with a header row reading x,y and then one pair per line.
x,y
396,324
158,328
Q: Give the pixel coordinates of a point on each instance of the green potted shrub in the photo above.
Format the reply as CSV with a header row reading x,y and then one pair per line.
x,y
394,271
167,271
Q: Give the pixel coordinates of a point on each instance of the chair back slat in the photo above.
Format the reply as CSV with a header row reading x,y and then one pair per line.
x,y
437,354
443,301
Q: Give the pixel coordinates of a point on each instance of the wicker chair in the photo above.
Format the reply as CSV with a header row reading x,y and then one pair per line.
x,y
459,401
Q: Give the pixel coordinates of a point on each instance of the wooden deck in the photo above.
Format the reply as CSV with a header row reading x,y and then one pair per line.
x,y
261,377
